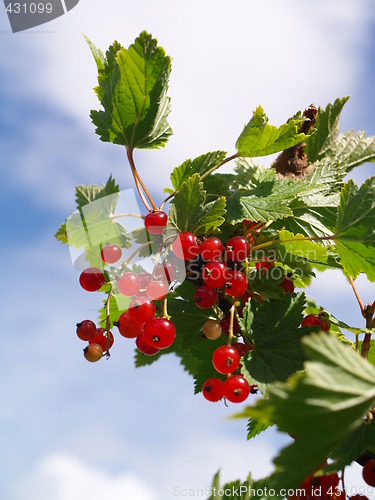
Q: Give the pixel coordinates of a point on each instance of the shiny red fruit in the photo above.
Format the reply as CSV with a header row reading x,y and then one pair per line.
x,y
156,221
111,254
236,389
92,279
86,329
101,339
215,274
127,327
159,333
237,249
236,285
185,246
225,359
225,323
157,290
315,320
128,284
287,285
241,348
145,347
205,297
213,389
211,249
141,310
368,472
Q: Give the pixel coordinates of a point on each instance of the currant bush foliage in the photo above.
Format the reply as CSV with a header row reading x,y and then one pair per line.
x,y
314,385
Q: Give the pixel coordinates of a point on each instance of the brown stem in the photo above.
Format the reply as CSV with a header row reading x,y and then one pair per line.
x,y
367,340
226,160
107,319
139,183
231,321
357,295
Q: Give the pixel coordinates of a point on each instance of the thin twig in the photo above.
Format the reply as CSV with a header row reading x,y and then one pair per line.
x,y
139,183
357,295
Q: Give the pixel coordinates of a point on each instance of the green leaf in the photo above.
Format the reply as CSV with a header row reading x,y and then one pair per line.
x,y
269,200
260,139
199,165
91,227
305,250
189,212
97,53
322,406
355,229
89,193
132,90
61,234
238,490
357,443
325,130
274,328
254,428
351,150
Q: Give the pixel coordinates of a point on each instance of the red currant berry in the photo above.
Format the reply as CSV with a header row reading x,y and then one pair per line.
x,y
211,249
215,274
157,290
287,285
166,272
236,389
111,254
241,348
156,221
144,279
315,320
145,347
160,333
358,496
205,297
185,246
237,249
368,472
91,279
141,310
225,323
127,327
102,338
213,389
264,264
212,329
225,359
236,284
253,226
326,482
86,329
93,352
128,284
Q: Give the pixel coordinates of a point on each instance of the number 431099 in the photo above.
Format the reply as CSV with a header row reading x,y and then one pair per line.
x,y
29,8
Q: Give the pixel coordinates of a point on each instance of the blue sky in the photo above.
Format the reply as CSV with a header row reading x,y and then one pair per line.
x,y
69,429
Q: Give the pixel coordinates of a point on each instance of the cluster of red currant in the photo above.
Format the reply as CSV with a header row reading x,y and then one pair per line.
x,y
220,274
138,321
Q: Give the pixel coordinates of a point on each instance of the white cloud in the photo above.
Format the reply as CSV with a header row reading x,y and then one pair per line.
x,y
226,60
63,477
